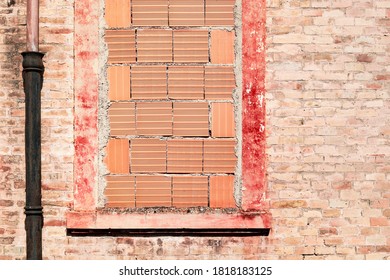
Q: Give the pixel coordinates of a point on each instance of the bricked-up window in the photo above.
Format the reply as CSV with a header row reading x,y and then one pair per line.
x,y
128,106
170,72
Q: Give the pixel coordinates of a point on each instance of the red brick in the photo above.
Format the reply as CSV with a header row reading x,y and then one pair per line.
x,y
219,82
186,13
328,231
190,191
117,13
150,13
222,120
186,82
190,46
191,119
119,82
154,118
222,191
289,204
117,156
222,47
153,191
220,12
120,191
149,82
121,46
185,156
219,156
381,221
148,156
122,119
154,45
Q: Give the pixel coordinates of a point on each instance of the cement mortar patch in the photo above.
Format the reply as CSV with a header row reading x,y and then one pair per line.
x,y
103,105
237,97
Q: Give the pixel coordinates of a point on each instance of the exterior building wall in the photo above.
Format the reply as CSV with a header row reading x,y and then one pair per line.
x,y
328,149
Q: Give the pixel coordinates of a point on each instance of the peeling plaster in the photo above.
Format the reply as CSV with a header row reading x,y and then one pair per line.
x,y
253,127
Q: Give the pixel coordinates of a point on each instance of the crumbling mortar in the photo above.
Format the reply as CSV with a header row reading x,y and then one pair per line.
x,y
172,28
161,209
237,98
103,105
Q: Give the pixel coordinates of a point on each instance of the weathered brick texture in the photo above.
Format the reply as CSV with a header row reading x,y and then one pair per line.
x,y
328,138
328,126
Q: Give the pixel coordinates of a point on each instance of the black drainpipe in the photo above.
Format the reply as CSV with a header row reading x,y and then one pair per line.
x,y
32,82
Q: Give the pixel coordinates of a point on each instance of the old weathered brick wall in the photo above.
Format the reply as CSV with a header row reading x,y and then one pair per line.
x,y
57,122
328,138
328,126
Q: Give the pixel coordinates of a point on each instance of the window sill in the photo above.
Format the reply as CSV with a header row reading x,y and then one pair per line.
x,y
104,220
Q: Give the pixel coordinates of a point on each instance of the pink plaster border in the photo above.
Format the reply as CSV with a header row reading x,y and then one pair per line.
x,y
100,220
85,214
86,48
253,104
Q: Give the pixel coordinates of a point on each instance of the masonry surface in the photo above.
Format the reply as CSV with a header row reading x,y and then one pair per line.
x,y
170,77
327,124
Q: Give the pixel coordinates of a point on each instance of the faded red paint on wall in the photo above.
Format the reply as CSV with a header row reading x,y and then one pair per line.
x,y
253,104
86,103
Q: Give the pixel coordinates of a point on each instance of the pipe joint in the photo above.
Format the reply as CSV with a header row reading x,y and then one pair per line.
x,y
32,61
33,210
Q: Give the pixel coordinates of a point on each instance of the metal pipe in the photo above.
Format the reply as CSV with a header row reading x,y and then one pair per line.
x,y
33,25
32,83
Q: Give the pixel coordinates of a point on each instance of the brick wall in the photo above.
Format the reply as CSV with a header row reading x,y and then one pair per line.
x,y
57,122
327,145
328,126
